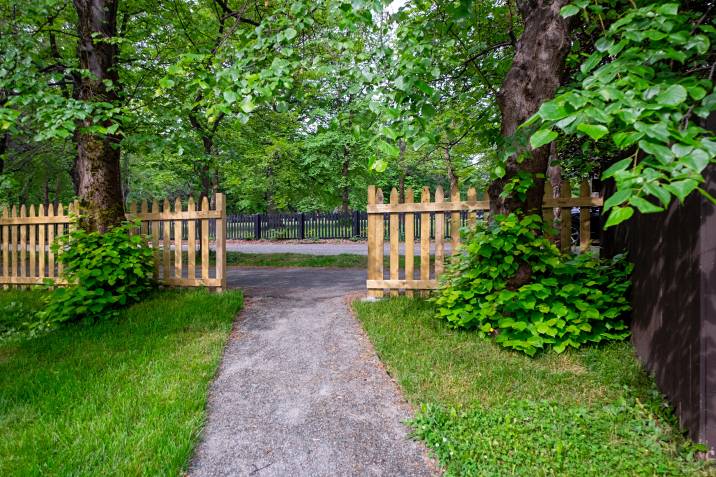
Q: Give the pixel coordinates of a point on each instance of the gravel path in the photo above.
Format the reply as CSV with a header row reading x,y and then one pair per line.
x,y
357,248
300,391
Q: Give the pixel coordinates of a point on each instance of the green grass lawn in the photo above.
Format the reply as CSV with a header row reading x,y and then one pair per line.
x,y
121,397
483,410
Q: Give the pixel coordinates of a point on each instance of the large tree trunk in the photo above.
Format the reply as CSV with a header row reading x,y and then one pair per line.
x,y
98,167
533,78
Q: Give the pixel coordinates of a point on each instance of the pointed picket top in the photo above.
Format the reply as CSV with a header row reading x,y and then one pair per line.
x,y
133,208
41,210
177,205
155,206
584,189
31,211
379,196
144,208
565,190
425,195
60,210
191,206
167,208
409,195
394,196
13,212
439,194
22,211
548,192
205,204
371,195
5,212
455,194
472,194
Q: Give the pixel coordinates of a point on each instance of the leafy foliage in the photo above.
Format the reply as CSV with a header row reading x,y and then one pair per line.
x,y
106,271
568,301
528,437
644,87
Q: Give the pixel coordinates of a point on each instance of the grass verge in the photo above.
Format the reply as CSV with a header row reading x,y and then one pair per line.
x,y
487,411
120,397
344,260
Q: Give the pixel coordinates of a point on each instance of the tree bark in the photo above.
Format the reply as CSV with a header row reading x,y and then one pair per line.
x,y
452,175
98,155
533,78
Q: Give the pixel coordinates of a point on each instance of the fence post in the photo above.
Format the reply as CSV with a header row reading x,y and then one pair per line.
x,y
257,227
221,240
356,223
302,226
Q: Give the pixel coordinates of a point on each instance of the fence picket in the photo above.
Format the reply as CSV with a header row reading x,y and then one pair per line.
x,y
439,234
60,232
166,247
41,242
394,241
221,241
13,244
205,240
191,238
177,239
471,215
5,245
565,218
409,242
33,251
584,220
455,219
548,212
380,239
50,242
425,238
23,241
155,239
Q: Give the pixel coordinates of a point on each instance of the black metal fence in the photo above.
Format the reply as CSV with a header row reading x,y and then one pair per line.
x,y
309,226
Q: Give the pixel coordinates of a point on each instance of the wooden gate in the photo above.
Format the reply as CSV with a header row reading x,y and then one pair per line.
x,y
181,238
442,220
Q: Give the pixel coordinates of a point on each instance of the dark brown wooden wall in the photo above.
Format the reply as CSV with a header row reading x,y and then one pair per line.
x,y
674,304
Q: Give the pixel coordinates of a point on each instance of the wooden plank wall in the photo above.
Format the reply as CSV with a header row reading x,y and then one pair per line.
x,y
441,214
181,257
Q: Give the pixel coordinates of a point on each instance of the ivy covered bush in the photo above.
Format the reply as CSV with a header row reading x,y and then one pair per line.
x,y
512,283
106,271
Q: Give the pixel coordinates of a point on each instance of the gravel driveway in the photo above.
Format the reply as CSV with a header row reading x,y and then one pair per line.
x,y
300,391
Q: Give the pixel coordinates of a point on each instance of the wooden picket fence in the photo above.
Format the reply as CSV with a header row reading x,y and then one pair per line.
x,y
26,233
439,214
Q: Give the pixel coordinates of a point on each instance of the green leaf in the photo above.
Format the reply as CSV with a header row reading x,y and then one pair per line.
x,y
619,215
499,171
230,97
595,131
542,137
669,9
681,189
551,111
247,104
626,139
698,159
617,198
644,206
568,11
290,33
673,96
591,62
166,83
616,167
662,153
420,143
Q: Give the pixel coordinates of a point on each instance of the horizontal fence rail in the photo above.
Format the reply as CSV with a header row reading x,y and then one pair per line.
x,y
430,224
181,259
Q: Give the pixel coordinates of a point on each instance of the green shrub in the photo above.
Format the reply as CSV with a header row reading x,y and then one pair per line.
x,y
564,301
547,438
106,271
